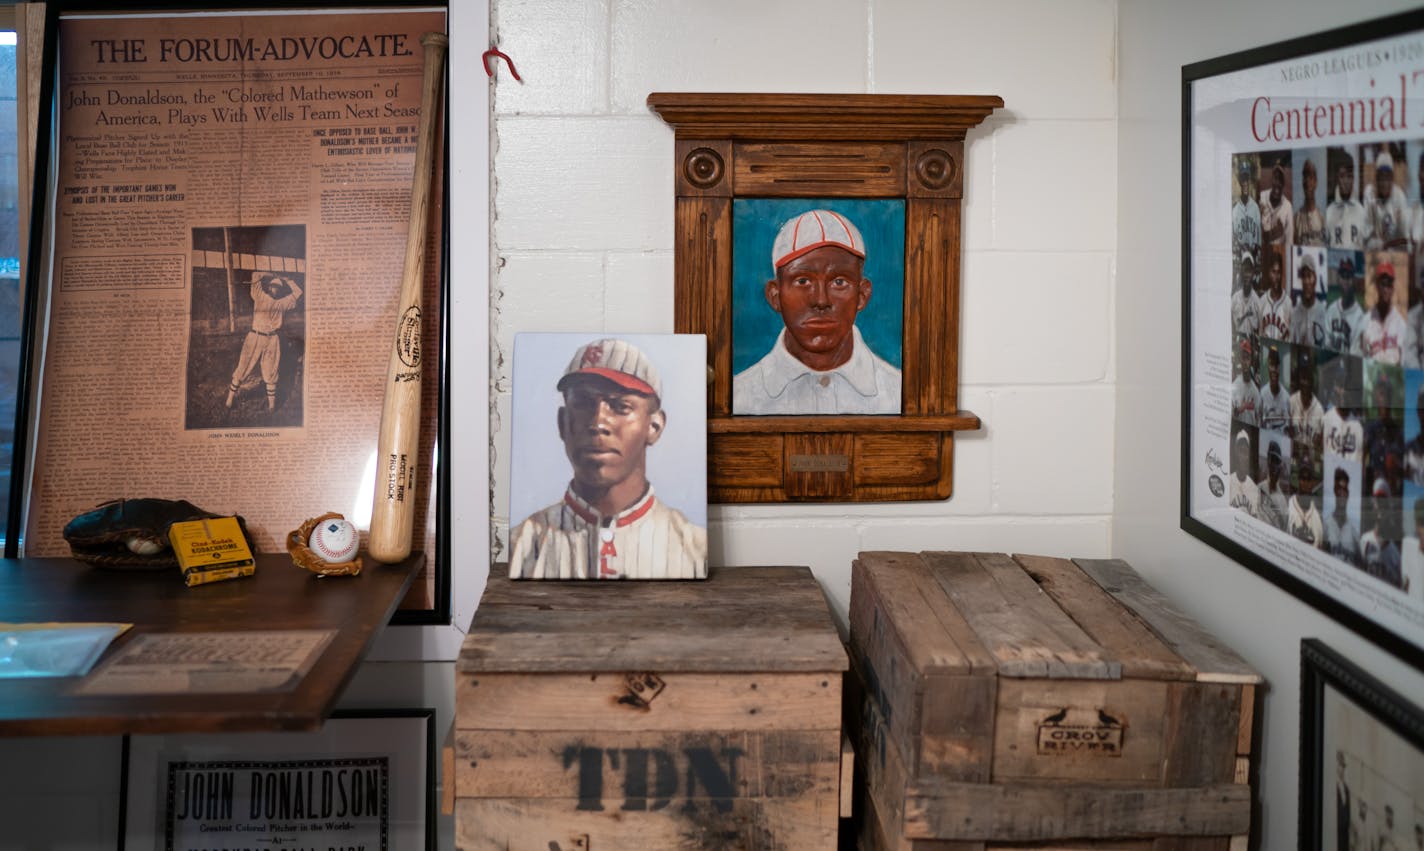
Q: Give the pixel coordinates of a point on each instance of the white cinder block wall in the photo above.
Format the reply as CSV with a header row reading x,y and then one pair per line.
x,y
583,233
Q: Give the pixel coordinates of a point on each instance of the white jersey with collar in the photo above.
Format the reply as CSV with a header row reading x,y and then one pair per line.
x,y
1273,316
1305,523
1390,341
1245,227
1274,410
1345,223
267,312
571,540
1344,436
1307,419
781,384
1244,494
1387,219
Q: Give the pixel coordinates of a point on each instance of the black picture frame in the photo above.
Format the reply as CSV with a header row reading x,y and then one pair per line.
x,y
1250,109
317,777
1377,738
430,606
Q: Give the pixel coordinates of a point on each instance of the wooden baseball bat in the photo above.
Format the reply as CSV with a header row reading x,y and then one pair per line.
x,y
393,507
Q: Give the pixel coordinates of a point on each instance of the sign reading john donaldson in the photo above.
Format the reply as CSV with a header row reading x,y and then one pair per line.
x,y
290,804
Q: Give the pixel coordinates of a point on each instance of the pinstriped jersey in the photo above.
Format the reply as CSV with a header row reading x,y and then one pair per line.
x,y
572,540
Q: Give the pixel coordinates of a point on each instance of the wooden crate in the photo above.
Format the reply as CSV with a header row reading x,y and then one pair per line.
x,y
1012,700
664,715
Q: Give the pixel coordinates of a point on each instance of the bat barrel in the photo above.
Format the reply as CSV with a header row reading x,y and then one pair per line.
x,y
393,507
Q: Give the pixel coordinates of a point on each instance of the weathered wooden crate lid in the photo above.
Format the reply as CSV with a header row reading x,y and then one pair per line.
x,y
739,619
1036,616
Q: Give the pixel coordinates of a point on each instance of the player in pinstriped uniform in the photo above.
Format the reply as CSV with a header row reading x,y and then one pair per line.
x,y
610,524
1345,217
1273,307
272,297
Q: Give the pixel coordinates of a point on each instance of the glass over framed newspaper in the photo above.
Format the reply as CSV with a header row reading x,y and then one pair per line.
x,y
213,286
1303,334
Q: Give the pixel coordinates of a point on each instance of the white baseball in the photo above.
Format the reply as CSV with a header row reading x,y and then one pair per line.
x,y
335,541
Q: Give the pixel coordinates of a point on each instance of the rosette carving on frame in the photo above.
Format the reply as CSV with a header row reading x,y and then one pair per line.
x,y
703,168
936,168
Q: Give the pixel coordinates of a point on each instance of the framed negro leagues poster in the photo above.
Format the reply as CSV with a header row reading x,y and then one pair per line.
x,y
365,781
1303,334
221,225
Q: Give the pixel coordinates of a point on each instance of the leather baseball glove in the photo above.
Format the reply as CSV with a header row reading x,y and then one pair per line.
x,y
132,533
303,557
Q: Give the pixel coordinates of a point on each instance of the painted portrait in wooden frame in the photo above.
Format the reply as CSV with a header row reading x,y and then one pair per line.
x,y
855,320
800,422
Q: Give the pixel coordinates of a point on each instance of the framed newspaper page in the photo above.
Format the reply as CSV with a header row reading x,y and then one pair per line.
x,y
1303,319
1361,758
817,247
366,779
221,225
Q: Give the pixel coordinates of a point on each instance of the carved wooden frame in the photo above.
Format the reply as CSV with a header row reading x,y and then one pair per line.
x,y
909,147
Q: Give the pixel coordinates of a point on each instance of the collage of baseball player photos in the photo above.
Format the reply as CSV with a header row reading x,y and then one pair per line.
x,y
609,477
1327,315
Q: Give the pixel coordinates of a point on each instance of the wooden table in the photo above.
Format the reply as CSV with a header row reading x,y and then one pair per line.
x,y
279,596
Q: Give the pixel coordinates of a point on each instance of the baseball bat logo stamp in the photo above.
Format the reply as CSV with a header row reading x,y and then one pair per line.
x,y
408,337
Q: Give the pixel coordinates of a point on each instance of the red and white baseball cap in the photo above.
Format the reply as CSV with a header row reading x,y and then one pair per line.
x,y
814,229
618,361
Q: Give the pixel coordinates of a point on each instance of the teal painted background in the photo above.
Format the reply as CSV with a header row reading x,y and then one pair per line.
x,y
755,222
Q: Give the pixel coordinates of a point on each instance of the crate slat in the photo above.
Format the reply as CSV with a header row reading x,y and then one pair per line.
x,y
1025,813
1026,632
1203,722
648,766
545,824
730,702
935,640
1113,627
778,623
1213,660
939,698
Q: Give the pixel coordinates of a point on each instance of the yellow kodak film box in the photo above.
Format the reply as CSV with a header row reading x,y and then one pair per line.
x,y
210,550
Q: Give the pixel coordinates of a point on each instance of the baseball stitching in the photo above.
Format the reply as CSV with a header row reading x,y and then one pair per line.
x,y
319,543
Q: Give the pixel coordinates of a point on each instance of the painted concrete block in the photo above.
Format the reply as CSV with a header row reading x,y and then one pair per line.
x,y
596,184
563,50
967,48
736,46
639,292
1030,318
544,291
1053,450
1055,185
